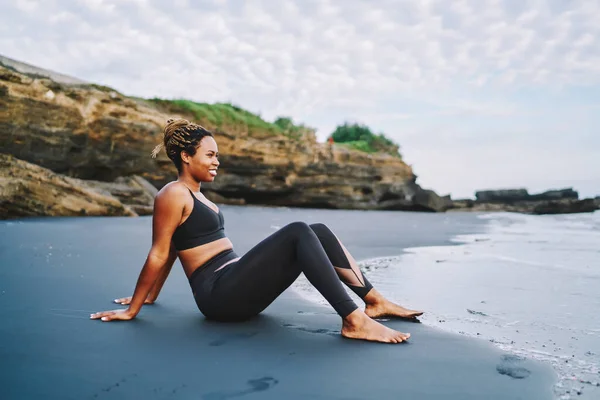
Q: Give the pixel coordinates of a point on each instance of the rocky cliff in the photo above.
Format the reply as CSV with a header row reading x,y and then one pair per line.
x,y
29,190
91,132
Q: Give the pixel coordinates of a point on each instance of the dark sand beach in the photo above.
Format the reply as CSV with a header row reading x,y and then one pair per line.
x,y
55,272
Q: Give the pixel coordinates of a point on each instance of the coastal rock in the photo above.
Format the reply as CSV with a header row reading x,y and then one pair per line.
x,y
519,195
133,192
411,197
29,190
504,195
568,206
560,194
563,201
95,133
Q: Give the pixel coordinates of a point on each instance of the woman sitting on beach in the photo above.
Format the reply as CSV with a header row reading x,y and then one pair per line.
x,y
227,287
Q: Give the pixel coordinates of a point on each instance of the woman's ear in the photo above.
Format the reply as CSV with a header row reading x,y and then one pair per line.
x,y
185,157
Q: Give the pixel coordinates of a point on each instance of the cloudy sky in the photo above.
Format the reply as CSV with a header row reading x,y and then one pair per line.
x,y
479,93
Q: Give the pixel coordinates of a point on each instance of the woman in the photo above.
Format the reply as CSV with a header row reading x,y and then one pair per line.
x,y
227,287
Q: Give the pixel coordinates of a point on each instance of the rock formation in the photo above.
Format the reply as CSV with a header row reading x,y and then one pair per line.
x,y
563,201
30,190
95,146
515,195
91,132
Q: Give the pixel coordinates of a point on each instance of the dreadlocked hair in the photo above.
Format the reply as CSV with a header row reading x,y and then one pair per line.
x,y
181,135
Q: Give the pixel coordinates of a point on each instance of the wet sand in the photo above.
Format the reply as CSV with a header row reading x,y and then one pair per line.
x,y
55,272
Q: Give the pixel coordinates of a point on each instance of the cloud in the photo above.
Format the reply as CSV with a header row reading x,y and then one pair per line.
x,y
388,63
330,51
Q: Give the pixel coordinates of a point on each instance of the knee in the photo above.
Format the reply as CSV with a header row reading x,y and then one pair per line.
x,y
320,229
298,228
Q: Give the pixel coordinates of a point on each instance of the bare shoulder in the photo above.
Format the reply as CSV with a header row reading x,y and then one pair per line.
x,y
172,193
169,206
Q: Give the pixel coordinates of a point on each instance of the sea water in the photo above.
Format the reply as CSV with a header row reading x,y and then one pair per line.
x,y
529,284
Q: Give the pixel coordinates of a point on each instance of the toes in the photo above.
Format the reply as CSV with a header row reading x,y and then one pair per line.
x,y
402,337
414,314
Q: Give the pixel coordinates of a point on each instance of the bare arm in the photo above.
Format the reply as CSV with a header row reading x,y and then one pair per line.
x,y
154,266
160,281
168,209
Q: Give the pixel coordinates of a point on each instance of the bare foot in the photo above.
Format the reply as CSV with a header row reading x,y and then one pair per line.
x,y
358,325
386,308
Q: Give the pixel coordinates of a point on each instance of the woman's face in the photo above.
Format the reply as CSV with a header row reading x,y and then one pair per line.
x,y
203,165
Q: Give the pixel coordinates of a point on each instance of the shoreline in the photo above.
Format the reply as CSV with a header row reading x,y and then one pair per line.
x,y
510,267
72,267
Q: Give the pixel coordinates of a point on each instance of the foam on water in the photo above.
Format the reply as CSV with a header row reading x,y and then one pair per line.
x,y
530,285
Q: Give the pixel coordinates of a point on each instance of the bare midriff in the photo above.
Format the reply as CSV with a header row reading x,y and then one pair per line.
x,y
193,258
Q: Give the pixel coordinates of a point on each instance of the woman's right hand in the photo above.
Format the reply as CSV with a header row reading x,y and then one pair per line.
x,y
114,315
127,300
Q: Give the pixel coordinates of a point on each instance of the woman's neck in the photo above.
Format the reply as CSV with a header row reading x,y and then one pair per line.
x,y
190,184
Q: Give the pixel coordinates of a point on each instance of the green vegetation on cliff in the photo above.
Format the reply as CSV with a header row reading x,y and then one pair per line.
x,y
360,137
228,116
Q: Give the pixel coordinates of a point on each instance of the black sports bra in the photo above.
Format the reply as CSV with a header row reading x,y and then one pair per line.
x,y
202,226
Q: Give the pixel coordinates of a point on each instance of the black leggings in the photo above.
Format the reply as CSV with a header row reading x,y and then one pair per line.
x,y
244,288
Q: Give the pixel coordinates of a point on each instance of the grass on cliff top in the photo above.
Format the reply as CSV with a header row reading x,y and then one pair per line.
x,y
362,138
365,147
360,145
233,119
227,116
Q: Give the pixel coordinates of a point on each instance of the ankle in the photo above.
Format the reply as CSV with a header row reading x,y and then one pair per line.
x,y
355,318
373,298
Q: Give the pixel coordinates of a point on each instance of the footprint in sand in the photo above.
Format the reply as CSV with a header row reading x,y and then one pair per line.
x,y
319,331
256,385
510,367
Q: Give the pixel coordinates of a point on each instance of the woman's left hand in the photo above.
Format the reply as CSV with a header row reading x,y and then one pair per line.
x,y
127,300
115,315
